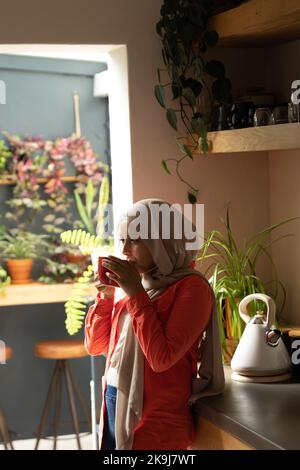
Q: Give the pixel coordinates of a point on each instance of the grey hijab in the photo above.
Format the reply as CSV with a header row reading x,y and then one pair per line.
x,y
172,262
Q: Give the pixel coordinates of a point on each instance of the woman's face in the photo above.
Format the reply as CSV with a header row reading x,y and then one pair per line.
x,y
135,251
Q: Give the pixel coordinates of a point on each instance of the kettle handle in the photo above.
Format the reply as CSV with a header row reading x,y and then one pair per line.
x,y
271,307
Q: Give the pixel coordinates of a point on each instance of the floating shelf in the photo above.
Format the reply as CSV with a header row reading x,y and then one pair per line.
x,y
258,23
264,138
66,179
38,293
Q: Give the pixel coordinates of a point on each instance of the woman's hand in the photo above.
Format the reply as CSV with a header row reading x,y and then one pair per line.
x,y
107,292
125,274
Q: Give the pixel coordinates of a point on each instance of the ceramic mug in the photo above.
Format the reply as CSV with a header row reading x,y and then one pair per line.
x,y
102,270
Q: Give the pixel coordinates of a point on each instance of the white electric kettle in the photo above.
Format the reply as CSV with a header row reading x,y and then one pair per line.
x,y
261,355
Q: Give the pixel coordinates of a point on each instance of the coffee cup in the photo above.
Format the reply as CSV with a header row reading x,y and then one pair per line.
x,y
102,270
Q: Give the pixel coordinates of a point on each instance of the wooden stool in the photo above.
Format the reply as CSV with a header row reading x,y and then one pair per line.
x,y
4,431
61,351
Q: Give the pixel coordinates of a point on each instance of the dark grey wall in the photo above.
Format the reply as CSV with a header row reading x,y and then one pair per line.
x,y
39,101
24,380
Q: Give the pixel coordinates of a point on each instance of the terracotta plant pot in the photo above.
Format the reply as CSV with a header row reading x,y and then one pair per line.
x,y
80,259
20,270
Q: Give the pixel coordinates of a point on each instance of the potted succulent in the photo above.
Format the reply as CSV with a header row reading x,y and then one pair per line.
x,y
19,249
233,275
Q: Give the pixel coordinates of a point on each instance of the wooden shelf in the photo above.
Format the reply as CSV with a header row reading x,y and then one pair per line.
x,y
264,138
38,293
66,179
258,23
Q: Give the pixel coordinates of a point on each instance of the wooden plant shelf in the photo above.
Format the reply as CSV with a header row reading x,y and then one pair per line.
x,y
38,293
264,138
67,179
258,23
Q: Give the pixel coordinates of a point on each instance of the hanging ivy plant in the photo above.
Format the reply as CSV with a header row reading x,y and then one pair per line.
x,y
192,83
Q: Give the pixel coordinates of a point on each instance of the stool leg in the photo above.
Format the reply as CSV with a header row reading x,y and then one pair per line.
x,y
47,404
57,403
79,395
71,402
4,432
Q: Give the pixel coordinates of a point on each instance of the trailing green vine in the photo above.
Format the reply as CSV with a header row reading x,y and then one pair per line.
x,y
194,85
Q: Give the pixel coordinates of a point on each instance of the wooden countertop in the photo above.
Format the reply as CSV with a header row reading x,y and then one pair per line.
x,y
38,293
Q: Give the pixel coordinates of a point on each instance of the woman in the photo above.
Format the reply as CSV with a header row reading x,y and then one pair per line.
x,y
151,337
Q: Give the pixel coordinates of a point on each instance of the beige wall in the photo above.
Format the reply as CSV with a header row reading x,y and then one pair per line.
x,y
243,180
283,68
285,203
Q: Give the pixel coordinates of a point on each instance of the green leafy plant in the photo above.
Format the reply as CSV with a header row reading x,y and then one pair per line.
x,y
25,166
76,306
4,280
234,275
194,84
5,156
88,243
85,210
22,245
58,268
30,161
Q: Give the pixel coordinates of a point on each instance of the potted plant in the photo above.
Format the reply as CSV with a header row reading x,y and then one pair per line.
x,y
19,249
89,244
86,208
58,268
234,275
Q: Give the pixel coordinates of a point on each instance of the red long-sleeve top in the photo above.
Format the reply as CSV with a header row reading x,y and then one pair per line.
x,y
168,329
